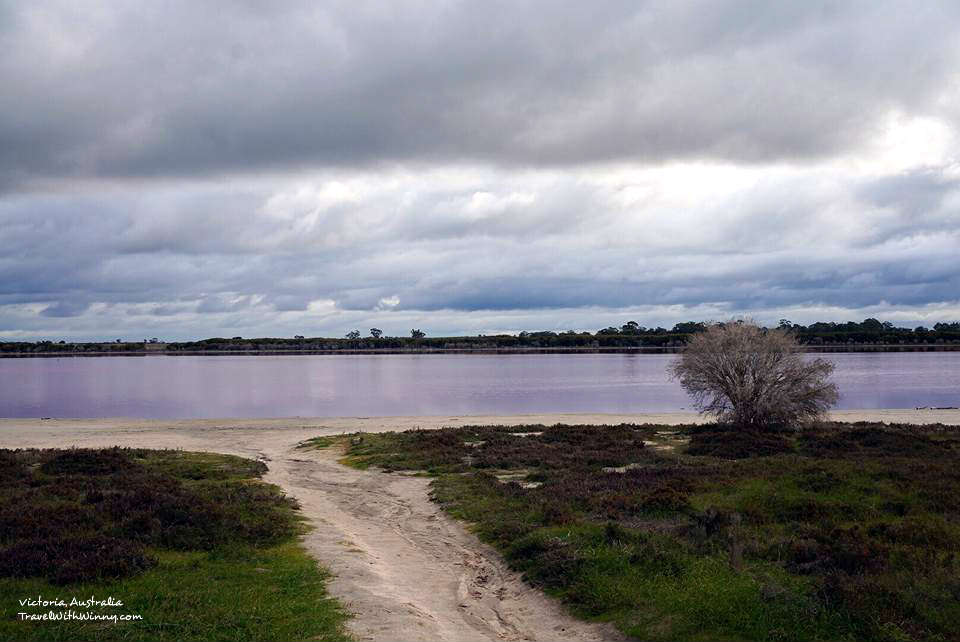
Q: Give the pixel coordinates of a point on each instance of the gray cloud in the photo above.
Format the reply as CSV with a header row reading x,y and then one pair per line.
x,y
181,88
66,308
386,246
191,169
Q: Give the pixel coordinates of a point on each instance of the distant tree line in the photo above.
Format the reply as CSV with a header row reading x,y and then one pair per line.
x,y
629,335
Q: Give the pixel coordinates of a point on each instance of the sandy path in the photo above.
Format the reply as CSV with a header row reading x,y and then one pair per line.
x,y
402,566
406,569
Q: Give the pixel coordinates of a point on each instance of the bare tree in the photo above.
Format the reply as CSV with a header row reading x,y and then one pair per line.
x,y
754,378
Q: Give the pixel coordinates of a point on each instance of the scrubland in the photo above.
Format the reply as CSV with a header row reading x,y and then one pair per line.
x,y
193,543
840,531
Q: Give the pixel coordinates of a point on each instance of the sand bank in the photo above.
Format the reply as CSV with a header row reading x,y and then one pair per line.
x,y
34,431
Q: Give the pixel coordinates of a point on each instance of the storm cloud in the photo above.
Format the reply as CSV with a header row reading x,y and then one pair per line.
x,y
191,169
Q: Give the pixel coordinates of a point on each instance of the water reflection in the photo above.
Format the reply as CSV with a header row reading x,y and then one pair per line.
x,y
370,385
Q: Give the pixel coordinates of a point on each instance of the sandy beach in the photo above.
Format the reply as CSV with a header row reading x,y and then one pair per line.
x,y
400,564
33,432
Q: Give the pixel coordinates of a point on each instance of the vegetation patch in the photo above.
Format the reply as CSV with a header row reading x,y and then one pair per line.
x,y
729,443
318,443
496,447
194,543
838,532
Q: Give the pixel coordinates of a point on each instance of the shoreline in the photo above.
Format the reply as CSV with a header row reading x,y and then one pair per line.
x,y
27,431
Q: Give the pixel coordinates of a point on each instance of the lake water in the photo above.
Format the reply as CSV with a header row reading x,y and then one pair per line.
x,y
405,384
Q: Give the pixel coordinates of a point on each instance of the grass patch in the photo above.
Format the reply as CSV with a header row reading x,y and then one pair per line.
x,y
499,447
318,443
193,543
840,532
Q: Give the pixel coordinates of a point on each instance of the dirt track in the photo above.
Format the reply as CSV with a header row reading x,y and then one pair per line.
x,y
401,566
405,569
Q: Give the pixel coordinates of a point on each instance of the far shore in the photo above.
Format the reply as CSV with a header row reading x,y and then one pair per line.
x,y
813,349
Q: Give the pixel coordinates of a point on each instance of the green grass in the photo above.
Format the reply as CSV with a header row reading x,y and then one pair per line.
x,y
318,443
275,593
844,532
193,543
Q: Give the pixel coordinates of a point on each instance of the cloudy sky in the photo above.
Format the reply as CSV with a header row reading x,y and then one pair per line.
x,y
191,169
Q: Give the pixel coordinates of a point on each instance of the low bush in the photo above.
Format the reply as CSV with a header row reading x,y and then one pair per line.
x,y
66,560
81,514
732,443
495,447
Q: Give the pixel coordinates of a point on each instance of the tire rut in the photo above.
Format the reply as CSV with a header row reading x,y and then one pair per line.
x,y
405,569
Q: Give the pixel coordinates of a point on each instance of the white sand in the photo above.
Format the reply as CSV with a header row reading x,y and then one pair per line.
x,y
405,569
25,432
